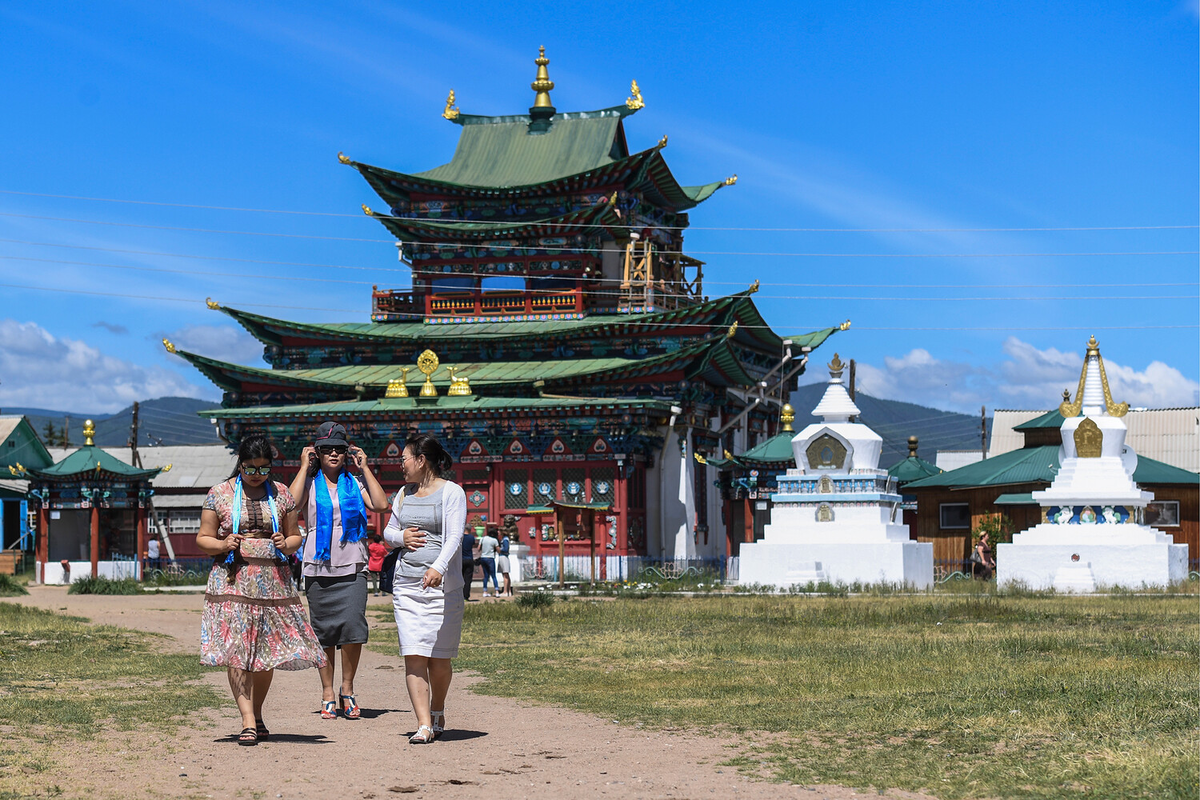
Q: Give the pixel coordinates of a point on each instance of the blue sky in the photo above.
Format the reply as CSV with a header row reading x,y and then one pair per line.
x,y
929,125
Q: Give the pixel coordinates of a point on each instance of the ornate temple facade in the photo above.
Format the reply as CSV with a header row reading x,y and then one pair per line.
x,y
555,337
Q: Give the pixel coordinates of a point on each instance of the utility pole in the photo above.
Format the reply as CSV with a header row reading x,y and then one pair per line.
x,y
66,431
163,533
852,371
133,437
983,430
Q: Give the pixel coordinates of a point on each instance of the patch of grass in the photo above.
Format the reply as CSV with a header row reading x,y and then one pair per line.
x,y
59,671
11,587
101,585
535,599
960,695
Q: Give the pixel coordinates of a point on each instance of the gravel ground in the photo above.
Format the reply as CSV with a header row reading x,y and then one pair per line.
x,y
494,747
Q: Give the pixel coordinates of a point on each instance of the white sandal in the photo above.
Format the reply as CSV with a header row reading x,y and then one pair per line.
x,y
422,738
439,722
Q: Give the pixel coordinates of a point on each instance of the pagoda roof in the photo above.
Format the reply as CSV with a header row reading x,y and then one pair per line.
x,y
1040,465
575,222
711,359
507,163
700,318
440,406
92,460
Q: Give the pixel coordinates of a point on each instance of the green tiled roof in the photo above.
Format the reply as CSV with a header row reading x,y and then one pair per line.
x,y
912,469
576,222
774,451
89,459
411,406
1040,465
1021,499
1051,419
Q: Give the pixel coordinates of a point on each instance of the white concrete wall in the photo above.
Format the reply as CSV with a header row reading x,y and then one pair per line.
x,y
1131,566
115,570
783,565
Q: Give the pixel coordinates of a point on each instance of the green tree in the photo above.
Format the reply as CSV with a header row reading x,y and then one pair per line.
x,y
50,435
999,527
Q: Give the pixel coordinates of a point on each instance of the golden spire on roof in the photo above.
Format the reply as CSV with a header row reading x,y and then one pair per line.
x,y
89,430
1069,409
542,83
912,447
451,111
635,102
787,416
836,367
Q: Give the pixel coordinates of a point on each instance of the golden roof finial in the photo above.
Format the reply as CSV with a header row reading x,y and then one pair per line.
x,y
428,362
167,344
18,470
845,326
728,455
459,387
89,430
700,458
836,367
212,304
451,111
343,158
732,330
367,210
912,447
787,416
635,102
663,141
542,83
754,286
731,180
167,468
398,387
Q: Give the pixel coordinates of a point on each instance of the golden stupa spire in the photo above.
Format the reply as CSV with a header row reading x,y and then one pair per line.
x,y
787,415
542,83
1069,409
89,430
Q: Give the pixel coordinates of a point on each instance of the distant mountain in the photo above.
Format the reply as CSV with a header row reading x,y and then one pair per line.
x,y
162,421
896,420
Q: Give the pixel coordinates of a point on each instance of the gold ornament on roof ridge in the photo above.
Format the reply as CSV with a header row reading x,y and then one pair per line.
x,y
343,158
732,330
398,387
459,387
212,304
428,363
836,367
787,415
635,102
167,344
451,111
700,458
1069,409
731,180
845,326
728,455
753,287
366,210
663,141
89,430
542,83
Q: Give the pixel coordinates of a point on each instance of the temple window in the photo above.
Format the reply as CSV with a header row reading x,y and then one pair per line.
x,y
955,516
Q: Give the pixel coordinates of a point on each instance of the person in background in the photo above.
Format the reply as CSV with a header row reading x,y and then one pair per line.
x,y
488,546
253,620
335,554
376,553
428,517
983,563
502,565
153,554
468,562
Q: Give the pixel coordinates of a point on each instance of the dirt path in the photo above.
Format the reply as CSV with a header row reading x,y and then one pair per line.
x,y
495,747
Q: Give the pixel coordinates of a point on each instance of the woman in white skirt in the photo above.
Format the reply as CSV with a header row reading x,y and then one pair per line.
x,y
428,518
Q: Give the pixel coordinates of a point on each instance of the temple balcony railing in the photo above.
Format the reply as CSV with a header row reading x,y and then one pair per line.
x,y
502,304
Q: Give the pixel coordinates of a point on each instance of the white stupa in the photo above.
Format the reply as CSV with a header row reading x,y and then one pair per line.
x,y
835,516
1091,531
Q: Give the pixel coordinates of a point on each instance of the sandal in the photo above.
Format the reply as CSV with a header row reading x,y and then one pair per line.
x,y
349,706
439,723
248,737
424,735
260,728
328,709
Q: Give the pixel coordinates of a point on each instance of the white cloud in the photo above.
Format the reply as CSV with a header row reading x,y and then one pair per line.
x,y
222,342
1028,378
40,370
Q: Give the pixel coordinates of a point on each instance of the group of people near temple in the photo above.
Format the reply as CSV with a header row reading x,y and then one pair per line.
x,y
254,621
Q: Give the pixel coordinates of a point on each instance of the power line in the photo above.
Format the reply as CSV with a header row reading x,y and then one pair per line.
x,y
632,227
581,250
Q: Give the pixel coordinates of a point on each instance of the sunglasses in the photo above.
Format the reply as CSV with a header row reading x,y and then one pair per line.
x,y
248,470
332,451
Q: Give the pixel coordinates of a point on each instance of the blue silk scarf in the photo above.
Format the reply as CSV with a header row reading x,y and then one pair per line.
x,y
353,513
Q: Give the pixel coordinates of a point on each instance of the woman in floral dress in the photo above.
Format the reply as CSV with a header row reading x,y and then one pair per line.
x,y
253,621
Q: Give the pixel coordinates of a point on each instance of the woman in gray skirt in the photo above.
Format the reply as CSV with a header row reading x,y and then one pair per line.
x,y
428,518
335,554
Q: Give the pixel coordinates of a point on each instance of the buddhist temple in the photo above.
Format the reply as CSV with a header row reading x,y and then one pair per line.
x,y
555,336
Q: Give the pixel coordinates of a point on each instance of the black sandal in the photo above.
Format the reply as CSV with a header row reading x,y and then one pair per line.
x,y
260,728
248,737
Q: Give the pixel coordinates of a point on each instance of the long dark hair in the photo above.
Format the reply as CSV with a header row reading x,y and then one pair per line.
x,y
254,445
426,444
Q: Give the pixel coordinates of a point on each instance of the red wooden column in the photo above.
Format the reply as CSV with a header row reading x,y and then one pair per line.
x,y
139,516
42,548
95,539
621,508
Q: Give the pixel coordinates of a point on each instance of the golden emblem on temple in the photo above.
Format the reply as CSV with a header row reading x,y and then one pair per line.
x,y
459,387
428,363
398,387
451,111
1089,439
836,366
635,102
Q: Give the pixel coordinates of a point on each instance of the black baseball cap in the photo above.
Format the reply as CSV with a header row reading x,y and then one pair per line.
x,y
331,434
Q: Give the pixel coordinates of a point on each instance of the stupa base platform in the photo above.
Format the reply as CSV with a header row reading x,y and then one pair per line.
x,y
1042,566
785,565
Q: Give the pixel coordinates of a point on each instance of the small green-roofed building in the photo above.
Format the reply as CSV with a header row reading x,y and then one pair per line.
x,y
555,337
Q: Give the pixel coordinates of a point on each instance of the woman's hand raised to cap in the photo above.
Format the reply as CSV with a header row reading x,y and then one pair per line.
x,y
358,458
309,460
